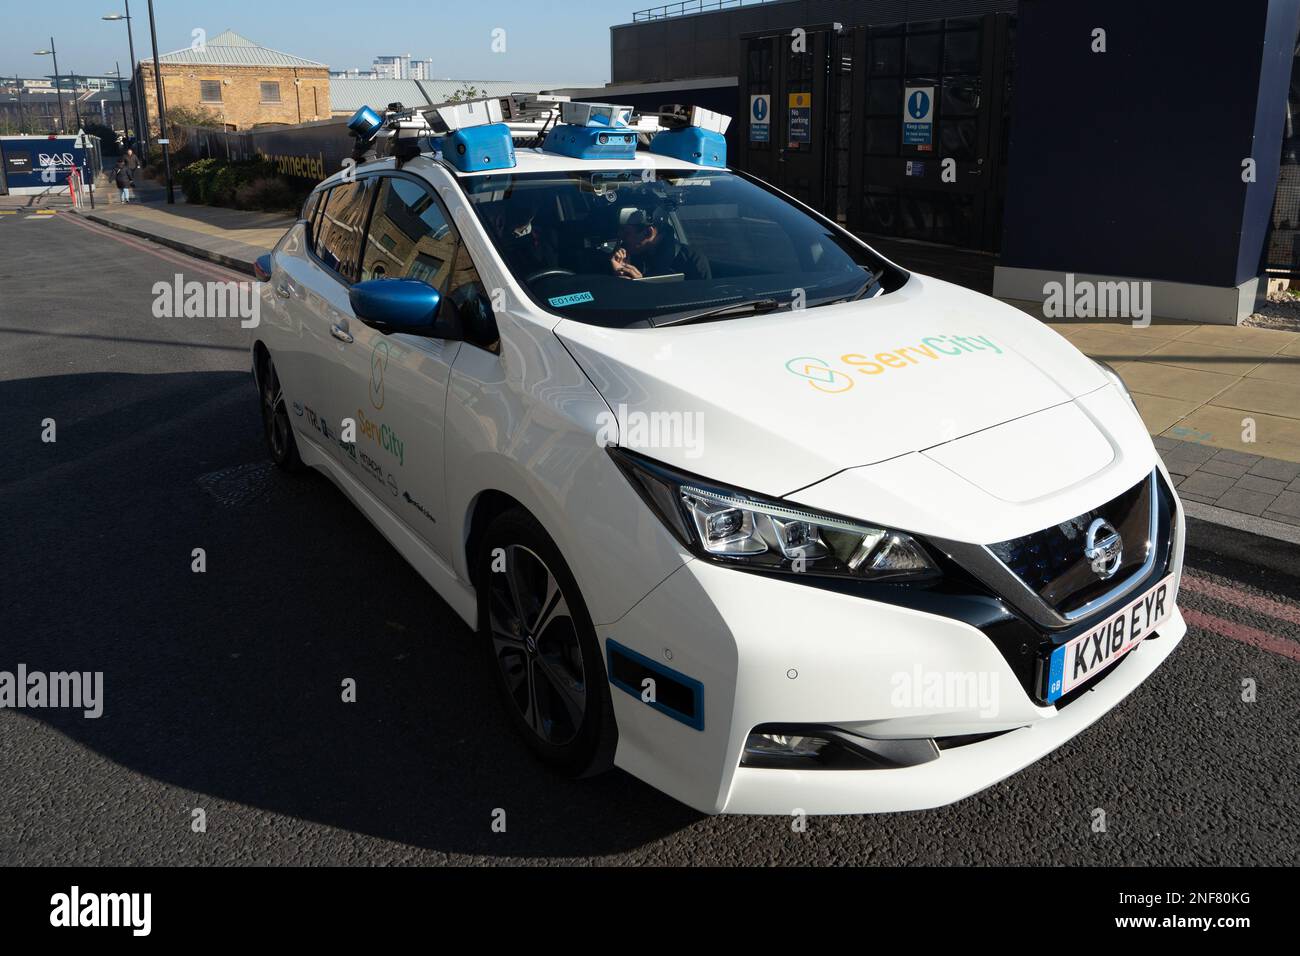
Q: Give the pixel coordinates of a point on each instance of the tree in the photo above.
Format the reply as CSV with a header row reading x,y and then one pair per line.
x,y
466,92
179,118
27,125
107,137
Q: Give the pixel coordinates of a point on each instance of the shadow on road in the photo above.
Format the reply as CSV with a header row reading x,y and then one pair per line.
x,y
228,683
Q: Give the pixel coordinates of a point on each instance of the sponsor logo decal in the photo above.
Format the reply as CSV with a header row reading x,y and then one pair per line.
x,y
825,377
820,375
382,435
378,367
406,496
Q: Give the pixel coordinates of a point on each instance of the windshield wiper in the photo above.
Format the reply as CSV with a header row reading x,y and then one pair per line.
x,y
872,282
751,307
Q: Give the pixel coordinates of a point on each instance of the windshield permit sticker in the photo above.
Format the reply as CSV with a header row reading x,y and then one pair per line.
x,y
560,301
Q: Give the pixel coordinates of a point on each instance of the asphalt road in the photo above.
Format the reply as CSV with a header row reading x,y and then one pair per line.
x,y
223,689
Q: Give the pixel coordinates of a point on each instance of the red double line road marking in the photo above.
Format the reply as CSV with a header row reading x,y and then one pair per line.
x,y
161,252
1242,632
1251,602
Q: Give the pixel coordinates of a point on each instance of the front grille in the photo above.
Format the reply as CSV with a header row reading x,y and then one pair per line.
x,y
1052,563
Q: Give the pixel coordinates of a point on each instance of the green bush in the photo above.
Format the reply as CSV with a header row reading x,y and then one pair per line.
x,y
196,179
243,184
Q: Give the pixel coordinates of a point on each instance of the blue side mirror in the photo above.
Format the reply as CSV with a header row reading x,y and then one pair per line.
x,y
262,268
399,303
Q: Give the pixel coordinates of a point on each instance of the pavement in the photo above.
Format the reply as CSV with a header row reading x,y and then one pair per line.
x,y
222,688
230,237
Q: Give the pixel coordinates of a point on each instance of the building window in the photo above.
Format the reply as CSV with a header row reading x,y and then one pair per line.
x,y
270,92
210,91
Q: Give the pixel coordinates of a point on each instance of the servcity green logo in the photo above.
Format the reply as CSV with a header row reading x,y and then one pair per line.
x,y
382,435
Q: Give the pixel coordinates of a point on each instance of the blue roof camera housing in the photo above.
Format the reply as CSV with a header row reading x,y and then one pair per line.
x,y
480,147
704,147
591,142
365,123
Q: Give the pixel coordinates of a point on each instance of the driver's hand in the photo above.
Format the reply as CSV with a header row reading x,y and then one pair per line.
x,y
622,267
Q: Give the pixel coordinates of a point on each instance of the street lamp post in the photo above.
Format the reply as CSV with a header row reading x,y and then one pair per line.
x,y
137,101
76,103
58,88
162,109
18,98
126,123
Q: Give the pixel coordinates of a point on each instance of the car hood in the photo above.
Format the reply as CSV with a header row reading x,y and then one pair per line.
x,y
774,403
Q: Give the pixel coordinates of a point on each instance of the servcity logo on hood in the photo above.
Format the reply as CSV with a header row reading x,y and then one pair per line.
x,y
839,376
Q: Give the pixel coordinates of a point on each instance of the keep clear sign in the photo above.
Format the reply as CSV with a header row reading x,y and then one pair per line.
x,y
760,118
918,117
800,118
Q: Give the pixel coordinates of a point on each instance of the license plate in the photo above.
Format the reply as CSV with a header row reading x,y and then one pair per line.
x,y
1083,658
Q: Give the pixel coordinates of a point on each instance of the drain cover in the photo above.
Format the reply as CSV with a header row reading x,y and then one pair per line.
x,y
240,485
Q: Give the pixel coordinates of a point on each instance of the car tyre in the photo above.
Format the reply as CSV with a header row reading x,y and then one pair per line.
x,y
541,647
276,425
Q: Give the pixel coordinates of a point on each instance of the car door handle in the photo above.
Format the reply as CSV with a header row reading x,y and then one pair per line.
x,y
340,333
284,289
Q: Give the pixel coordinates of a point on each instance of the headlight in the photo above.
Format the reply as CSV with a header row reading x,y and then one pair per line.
x,y
1118,382
734,527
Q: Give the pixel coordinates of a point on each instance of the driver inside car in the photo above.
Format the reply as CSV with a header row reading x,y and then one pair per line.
x,y
527,248
648,246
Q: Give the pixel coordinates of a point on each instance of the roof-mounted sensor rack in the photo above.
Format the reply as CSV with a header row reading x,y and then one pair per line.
x,y
476,135
399,133
593,131
693,134
470,134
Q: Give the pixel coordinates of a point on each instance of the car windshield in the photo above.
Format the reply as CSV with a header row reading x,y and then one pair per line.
x,y
633,248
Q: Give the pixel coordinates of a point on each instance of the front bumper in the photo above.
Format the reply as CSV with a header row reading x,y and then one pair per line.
x,y
769,651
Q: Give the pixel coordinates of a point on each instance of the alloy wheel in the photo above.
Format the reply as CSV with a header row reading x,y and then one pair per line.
x,y
535,645
275,414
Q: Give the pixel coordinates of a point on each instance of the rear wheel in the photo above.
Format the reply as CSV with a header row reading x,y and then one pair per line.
x,y
276,426
542,647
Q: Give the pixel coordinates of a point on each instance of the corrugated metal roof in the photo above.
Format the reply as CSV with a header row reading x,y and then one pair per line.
x,y
348,94
439,91
230,49
111,95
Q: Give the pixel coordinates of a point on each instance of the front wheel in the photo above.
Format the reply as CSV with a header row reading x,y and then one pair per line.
x,y
276,427
542,647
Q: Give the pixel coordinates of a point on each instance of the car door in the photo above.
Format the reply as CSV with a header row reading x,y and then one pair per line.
x,y
284,307
314,290
394,384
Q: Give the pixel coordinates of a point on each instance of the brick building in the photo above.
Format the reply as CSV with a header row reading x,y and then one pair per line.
x,y
240,83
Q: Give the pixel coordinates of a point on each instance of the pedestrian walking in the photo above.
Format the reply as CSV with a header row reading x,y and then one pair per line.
x,y
123,179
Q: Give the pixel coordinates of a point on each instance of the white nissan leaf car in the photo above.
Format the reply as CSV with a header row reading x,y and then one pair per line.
x,y
732,501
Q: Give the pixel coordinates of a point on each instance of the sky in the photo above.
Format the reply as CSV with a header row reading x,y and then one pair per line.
x,y
557,42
